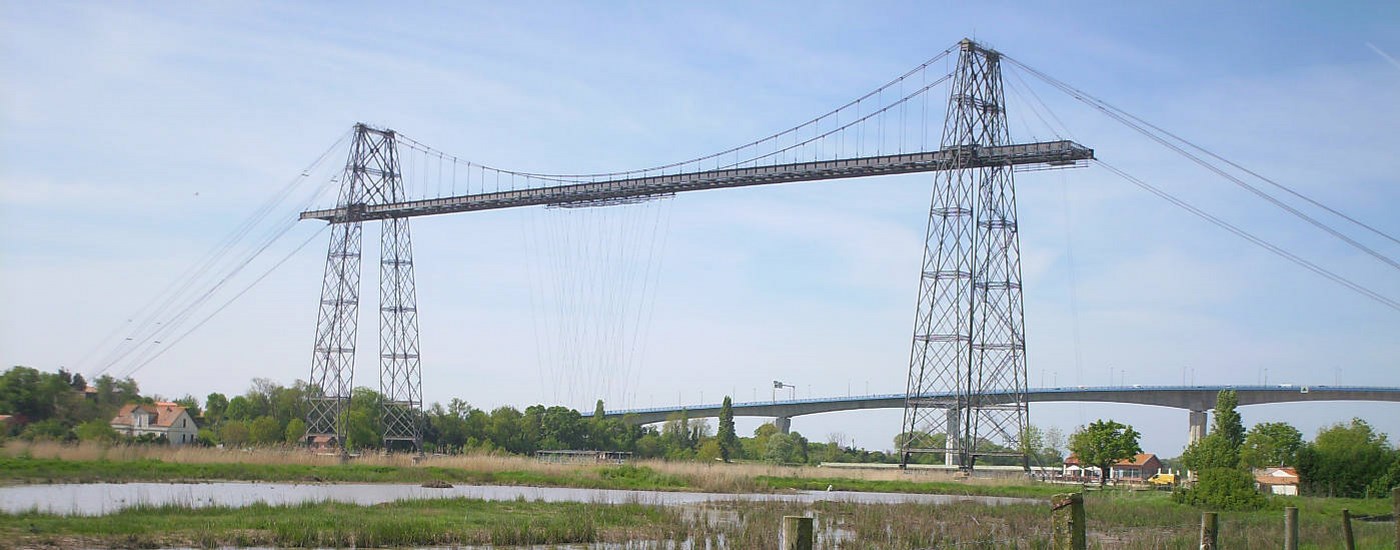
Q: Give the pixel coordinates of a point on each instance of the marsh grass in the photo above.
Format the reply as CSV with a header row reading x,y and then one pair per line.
x,y
48,462
331,524
1127,521
1116,519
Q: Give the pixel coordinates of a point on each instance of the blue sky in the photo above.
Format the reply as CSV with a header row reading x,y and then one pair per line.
x,y
137,135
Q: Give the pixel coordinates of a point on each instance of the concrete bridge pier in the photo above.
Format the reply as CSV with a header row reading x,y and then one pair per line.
x,y
783,423
1198,426
954,431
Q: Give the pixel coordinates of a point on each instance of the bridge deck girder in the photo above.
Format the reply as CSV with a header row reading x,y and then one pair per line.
x,y
1190,398
1048,153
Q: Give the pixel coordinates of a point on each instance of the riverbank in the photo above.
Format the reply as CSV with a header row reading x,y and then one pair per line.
x,y
53,463
1117,520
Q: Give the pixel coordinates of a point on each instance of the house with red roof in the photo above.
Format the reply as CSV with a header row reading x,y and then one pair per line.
x,y
1282,480
167,419
1139,468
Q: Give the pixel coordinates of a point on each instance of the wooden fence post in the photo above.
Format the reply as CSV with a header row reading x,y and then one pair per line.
x,y
1067,511
797,533
1210,530
1290,528
1348,541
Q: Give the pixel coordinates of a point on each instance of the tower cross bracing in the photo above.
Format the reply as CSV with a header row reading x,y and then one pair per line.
x,y
968,336
372,176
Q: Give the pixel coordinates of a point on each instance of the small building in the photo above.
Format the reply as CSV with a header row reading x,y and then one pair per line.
x,y
1281,480
167,419
583,457
1139,468
323,444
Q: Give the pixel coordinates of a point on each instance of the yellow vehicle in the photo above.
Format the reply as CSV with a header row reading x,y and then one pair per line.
x,y
1162,479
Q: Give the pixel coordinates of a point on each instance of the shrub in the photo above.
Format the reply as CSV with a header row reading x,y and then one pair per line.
x,y
1222,489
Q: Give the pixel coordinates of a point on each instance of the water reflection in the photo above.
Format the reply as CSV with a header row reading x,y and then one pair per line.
x,y
104,498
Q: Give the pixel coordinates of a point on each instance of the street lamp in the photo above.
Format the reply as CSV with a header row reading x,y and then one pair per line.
x,y
779,385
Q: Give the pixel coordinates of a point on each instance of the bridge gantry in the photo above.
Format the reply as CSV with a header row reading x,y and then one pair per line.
x,y
968,337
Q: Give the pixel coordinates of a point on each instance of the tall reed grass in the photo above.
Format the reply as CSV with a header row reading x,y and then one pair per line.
x,y
1114,521
283,463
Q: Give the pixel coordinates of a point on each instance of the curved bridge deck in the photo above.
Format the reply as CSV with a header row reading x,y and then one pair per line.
x,y
1191,398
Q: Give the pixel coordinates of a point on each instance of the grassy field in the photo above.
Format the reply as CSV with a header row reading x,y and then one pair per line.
x,y
53,463
410,523
1115,520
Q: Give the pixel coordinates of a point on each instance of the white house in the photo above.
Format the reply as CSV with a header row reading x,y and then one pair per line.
x,y
1278,481
167,419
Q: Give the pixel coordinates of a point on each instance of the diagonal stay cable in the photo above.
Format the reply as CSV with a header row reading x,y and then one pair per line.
x,y
1124,118
1324,272
178,290
1235,165
1261,177
229,302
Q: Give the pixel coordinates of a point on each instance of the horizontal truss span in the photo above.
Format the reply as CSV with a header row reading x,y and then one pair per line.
x,y
1051,153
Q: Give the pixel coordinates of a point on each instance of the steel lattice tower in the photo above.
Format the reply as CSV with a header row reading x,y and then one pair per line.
x,y
968,331
372,177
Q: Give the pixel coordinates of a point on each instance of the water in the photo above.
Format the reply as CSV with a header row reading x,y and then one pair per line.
x,y
91,499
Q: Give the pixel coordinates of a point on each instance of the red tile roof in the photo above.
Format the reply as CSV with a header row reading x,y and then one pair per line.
x,y
1268,476
166,414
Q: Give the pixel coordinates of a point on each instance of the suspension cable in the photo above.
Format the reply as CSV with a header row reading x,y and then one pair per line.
x,y
1355,287
1134,123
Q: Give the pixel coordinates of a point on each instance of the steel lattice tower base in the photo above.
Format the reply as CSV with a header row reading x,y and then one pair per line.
x,y
372,177
968,332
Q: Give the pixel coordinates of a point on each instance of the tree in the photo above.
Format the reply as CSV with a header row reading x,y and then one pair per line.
x,y
922,440
504,430
240,408
1054,445
676,436
1214,451
1222,489
728,440
1391,478
1344,460
233,433
709,451
96,430
265,431
362,429
562,428
1103,443
295,432
1043,447
1223,480
780,448
1227,420
206,437
215,406
30,394
1271,444
46,430
1220,449
190,403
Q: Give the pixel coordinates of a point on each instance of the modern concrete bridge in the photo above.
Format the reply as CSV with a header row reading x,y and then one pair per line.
x,y
1196,399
